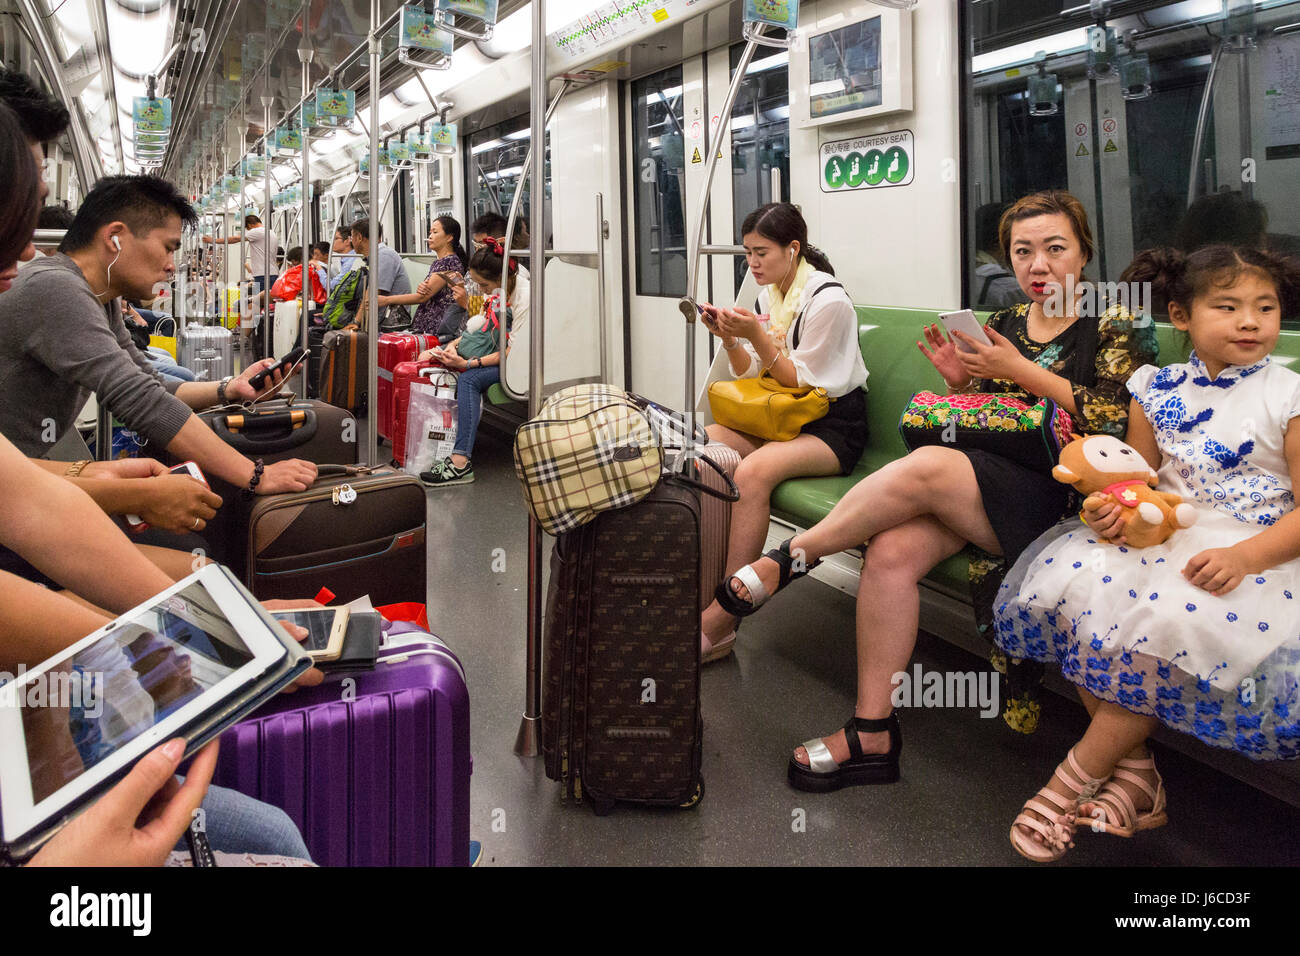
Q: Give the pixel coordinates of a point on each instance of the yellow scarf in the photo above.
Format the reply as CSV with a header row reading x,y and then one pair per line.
x,y
781,307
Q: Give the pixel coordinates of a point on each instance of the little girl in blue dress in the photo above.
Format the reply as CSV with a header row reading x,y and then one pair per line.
x,y
1201,633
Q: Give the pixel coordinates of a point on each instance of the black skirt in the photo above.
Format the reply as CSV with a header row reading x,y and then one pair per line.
x,y
1021,504
843,429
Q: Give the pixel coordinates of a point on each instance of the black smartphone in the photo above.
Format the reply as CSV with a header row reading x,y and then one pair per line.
x,y
286,363
709,313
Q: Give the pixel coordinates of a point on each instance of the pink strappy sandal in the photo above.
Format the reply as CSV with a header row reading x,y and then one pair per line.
x,y
1120,816
1058,836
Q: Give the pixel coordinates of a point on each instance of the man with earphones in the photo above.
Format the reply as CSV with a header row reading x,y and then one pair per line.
x,y
62,336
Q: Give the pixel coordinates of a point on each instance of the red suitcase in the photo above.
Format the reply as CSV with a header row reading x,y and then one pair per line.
x,y
403,375
373,766
395,348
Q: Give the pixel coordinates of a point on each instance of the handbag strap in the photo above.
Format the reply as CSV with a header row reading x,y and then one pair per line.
x,y
794,331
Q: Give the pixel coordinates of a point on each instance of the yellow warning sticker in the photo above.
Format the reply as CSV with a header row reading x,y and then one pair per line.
x,y
1081,151
696,158
660,15
1110,147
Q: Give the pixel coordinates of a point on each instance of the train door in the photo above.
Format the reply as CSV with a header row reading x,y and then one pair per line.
x,y
672,122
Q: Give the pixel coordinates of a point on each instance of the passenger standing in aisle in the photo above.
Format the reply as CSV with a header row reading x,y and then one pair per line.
x,y
810,338
262,243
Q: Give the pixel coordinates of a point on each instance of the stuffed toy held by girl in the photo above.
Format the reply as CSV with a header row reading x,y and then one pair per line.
x,y
1100,465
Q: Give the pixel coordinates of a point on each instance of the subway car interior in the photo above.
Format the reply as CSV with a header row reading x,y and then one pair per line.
x,y
615,153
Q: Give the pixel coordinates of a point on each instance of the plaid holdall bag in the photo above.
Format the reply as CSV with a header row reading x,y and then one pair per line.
x,y
590,449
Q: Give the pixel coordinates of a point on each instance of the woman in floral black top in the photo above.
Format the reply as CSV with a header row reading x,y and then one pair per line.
x,y
923,508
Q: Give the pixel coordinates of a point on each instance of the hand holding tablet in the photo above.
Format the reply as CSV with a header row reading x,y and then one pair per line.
x,y
188,663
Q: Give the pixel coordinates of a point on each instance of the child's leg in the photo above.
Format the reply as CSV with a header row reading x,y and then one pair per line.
x,y
1112,734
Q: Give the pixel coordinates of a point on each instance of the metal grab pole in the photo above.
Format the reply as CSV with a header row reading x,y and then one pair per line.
x,y
372,284
527,741
687,305
305,54
268,249
509,239
1202,115
601,232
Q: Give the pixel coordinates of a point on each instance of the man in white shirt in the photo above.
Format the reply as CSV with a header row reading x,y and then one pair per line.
x,y
262,243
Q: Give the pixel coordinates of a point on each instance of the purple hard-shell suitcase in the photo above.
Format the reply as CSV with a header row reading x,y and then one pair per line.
x,y
374,773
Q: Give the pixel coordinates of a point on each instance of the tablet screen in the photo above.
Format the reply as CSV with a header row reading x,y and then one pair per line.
x,y
148,666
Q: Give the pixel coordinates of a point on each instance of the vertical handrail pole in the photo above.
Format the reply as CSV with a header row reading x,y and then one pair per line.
x,y
305,54
687,305
372,283
267,212
600,285
527,741
509,240
1202,116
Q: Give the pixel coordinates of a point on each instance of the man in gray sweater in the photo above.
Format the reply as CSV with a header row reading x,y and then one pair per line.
x,y
62,336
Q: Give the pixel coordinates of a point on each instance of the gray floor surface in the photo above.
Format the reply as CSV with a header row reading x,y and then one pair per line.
x,y
964,777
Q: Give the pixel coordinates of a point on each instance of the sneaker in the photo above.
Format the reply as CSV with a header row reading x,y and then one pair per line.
x,y
444,473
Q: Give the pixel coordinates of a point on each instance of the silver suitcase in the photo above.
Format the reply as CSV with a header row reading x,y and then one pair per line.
x,y
207,351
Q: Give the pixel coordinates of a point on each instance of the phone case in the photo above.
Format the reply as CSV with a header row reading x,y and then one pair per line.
x,y
203,729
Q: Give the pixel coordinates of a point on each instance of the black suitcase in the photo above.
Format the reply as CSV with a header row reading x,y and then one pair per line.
x,y
315,342
621,700
356,531
273,431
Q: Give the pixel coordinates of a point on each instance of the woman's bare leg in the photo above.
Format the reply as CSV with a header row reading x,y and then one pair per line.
x,y
930,481
761,470
889,604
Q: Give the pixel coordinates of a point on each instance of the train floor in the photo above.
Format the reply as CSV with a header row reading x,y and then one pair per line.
x,y
964,777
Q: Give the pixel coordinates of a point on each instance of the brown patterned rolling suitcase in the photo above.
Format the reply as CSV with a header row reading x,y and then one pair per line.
x,y
621,701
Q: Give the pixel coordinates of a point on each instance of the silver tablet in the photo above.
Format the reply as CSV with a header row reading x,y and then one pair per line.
x,y
79,720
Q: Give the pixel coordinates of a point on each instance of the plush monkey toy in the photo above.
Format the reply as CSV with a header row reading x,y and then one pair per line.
x,y
1100,465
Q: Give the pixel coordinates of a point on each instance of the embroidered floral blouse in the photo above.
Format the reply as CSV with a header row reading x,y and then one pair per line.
x,y
1123,347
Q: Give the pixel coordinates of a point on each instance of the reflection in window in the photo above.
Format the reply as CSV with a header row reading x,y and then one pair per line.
x,y
660,169
495,166
760,137
1163,180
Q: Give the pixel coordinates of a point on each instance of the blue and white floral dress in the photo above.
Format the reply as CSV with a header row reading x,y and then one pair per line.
x,y
1124,623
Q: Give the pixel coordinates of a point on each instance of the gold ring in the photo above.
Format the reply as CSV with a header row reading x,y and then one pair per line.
x,y
195,526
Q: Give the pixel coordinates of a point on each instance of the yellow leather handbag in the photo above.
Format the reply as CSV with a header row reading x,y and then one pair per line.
x,y
765,408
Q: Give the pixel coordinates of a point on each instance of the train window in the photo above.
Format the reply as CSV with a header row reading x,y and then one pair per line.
x,y
760,137
660,170
1199,144
496,162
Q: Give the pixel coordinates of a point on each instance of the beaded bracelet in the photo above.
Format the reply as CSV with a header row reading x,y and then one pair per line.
x,y
258,468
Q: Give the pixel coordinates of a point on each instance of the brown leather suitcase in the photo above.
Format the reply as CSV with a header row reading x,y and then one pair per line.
x,y
715,518
621,701
343,369
356,531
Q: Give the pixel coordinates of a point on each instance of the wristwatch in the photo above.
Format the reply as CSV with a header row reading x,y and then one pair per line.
x,y
221,389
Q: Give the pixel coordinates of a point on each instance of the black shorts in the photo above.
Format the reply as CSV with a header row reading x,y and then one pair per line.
x,y
1020,503
843,429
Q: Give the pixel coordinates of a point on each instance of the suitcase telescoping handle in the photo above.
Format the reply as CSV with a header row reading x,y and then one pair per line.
x,y
731,494
270,431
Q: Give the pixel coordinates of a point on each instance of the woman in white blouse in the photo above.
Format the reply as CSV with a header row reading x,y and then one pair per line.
x,y
809,336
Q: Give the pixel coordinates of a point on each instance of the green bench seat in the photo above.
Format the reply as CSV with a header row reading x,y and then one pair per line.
x,y
897,370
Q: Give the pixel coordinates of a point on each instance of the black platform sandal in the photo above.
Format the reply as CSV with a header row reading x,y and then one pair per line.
x,y
823,774
737,606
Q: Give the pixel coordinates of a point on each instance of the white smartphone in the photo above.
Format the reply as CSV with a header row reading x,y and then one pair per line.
x,y
325,628
137,524
964,321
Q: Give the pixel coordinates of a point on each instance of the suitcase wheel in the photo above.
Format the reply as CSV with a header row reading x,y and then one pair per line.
x,y
695,798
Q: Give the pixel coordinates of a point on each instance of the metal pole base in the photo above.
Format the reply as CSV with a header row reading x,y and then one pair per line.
x,y
528,742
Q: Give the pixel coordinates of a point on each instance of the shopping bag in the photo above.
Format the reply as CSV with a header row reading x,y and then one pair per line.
x,y
430,428
165,342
